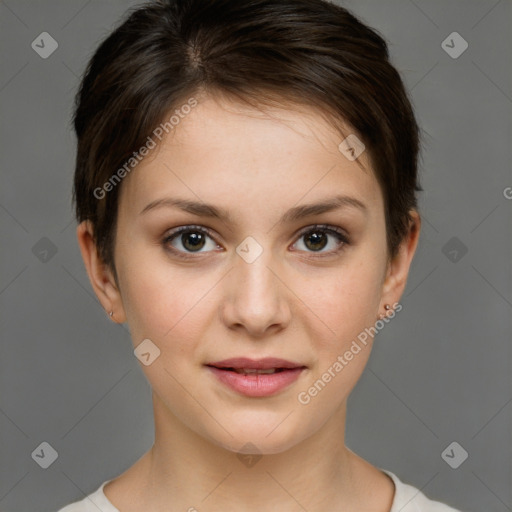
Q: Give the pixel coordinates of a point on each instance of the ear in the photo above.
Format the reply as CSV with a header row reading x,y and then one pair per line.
x,y
398,267
100,275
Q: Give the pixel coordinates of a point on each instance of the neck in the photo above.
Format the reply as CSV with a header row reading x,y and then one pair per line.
x,y
189,471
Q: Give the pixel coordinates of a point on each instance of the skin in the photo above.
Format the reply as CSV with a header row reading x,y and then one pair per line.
x,y
292,302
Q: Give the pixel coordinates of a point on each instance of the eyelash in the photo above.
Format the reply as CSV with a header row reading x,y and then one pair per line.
x,y
323,228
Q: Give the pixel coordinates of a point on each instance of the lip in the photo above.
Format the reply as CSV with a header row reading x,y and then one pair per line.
x,y
257,364
256,385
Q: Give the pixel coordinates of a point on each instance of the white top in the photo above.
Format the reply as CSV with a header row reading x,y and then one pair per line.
x,y
407,499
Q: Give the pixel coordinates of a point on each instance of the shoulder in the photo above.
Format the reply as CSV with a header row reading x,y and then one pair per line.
x,y
92,503
410,499
407,499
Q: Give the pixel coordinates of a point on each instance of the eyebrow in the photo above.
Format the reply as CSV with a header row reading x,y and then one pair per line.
x,y
293,214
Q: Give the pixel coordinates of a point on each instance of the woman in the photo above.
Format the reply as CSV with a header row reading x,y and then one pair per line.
x,y
245,188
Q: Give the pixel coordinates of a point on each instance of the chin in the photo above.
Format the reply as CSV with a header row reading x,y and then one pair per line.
x,y
261,437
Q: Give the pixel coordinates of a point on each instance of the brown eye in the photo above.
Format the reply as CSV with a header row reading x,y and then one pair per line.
x,y
188,240
317,238
193,241
316,241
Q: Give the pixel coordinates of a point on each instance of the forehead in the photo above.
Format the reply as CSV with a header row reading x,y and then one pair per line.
x,y
230,153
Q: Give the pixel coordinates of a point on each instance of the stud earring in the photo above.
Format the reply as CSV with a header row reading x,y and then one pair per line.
x,y
387,307
111,313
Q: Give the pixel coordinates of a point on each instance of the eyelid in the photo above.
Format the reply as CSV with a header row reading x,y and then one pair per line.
x,y
324,227
188,227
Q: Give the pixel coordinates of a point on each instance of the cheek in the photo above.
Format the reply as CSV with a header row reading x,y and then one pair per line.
x,y
345,301
347,304
161,302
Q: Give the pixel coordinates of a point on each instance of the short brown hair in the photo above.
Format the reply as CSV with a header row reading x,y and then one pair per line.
x,y
308,52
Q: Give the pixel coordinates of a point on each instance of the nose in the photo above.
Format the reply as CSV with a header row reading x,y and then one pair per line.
x,y
256,298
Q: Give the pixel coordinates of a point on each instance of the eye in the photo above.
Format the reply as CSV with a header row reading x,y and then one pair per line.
x,y
188,240
192,239
316,238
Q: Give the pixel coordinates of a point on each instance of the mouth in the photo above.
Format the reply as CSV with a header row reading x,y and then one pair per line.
x,y
250,371
256,378
246,365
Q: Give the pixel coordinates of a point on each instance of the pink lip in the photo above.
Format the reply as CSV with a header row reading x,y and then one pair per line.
x,y
256,385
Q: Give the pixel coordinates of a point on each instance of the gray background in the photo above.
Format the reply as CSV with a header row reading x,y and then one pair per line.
x,y
440,372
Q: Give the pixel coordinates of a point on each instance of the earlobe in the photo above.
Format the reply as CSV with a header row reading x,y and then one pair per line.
x,y
100,275
398,267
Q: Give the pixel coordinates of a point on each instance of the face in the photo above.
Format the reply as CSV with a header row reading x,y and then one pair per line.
x,y
256,274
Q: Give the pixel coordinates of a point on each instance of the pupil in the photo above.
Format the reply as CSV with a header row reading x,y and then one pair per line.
x,y
319,241
197,240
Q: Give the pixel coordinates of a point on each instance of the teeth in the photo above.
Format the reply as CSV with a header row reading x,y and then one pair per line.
x,y
251,370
